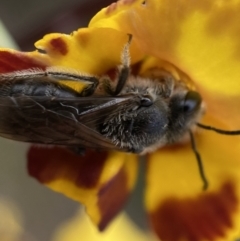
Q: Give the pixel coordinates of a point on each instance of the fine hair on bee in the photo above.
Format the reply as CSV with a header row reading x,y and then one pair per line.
x,y
130,114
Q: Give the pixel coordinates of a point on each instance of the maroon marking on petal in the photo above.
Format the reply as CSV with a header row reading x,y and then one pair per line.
x,y
112,74
59,45
207,217
112,197
47,164
111,8
17,61
91,168
126,2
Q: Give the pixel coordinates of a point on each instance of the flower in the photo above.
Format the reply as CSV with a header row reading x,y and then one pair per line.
x,y
196,38
81,226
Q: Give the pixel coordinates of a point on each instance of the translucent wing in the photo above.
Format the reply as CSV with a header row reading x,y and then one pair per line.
x,y
60,121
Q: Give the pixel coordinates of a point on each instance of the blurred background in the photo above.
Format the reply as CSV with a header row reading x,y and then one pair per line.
x,y
28,20
28,210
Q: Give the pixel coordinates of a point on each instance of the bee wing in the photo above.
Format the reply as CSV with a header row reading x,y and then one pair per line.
x,y
59,121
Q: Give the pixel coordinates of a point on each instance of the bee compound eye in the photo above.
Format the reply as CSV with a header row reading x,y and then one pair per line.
x,y
192,101
146,102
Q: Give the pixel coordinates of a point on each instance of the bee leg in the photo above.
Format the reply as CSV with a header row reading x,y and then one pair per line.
x,y
91,81
89,89
54,74
123,71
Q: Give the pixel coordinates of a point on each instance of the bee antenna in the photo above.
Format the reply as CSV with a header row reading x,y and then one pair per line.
x,y
199,162
223,132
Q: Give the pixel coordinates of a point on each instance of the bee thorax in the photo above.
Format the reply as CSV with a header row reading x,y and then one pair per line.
x,y
136,129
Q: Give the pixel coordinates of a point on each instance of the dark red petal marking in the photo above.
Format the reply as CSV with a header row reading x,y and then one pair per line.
x,y
91,168
112,7
112,73
46,164
12,61
59,45
128,1
207,217
112,197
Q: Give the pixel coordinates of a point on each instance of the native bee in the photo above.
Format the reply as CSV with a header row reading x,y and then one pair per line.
x,y
136,114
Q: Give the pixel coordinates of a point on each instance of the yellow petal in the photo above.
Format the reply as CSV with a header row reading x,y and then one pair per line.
x,y
178,208
201,38
100,181
86,51
11,221
92,50
121,229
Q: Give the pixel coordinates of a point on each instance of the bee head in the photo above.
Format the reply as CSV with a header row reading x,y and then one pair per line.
x,y
165,121
184,111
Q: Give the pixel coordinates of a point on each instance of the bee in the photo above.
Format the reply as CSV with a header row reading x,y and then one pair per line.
x,y
133,114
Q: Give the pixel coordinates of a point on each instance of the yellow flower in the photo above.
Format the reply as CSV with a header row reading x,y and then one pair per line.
x,y
196,40
122,228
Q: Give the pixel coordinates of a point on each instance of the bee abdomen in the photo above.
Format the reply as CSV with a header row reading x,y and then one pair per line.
x,y
36,87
